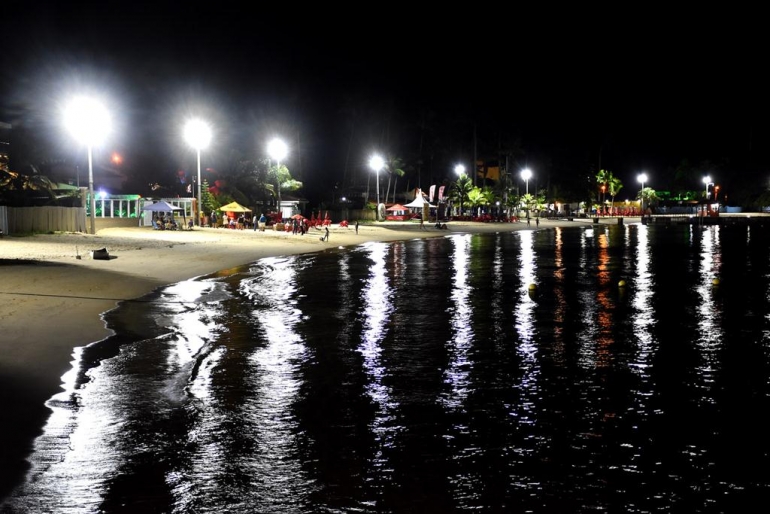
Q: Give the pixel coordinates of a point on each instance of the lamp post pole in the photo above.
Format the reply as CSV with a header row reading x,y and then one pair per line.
x,y
91,198
526,174
376,163
89,122
200,192
706,182
277,150
460,170
642,178
198,134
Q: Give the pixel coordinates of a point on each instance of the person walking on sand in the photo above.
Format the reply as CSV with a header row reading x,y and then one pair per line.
x,y
537,221
356,227
326,236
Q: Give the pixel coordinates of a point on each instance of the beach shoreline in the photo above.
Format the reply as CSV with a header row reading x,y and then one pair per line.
x,y
55,295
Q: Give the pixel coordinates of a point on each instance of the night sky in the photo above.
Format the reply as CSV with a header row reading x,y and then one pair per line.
x,y
562,91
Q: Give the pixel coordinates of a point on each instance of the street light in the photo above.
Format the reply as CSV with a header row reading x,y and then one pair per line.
x,y
89,122
198,135
707,182
376,163
277,150
642,178
526,174
460,170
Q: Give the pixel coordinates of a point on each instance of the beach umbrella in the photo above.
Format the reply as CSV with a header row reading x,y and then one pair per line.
x,y
234,207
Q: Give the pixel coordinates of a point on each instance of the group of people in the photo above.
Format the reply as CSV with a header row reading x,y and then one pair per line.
x,y
161,222
240,222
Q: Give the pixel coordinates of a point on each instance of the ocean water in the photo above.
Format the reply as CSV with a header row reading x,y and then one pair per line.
x,y
501,372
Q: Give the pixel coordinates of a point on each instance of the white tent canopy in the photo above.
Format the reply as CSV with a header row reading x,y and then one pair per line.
x,y
418,202
161,206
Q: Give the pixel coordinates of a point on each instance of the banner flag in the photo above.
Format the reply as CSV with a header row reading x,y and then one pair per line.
x,y
440,193
432,190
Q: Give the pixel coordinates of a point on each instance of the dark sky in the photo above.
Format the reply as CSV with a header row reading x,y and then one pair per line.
x,y
648,96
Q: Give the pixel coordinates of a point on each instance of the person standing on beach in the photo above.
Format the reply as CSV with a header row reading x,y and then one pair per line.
x,y
356,227
326,236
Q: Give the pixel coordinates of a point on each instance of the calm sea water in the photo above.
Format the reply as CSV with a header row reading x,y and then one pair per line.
x,y
426,376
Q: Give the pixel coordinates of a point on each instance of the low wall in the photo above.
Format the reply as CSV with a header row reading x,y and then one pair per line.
x,y
43,220
20,220
115,222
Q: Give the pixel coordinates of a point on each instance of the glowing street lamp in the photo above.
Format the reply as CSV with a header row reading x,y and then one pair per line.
x,y
89,122
460,170
526,174
198,135
277,150
707,182
642,178
376,163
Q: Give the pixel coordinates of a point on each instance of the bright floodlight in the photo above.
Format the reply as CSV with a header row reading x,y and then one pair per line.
x,y
87,120
526,174
197,134
376,163
707,179
642,178
460,169
277,149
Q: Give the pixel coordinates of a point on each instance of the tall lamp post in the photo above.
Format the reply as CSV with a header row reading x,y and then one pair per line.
x,y
89,122
526,174
277,150
376,163
198,135
706,182
642,178
460,170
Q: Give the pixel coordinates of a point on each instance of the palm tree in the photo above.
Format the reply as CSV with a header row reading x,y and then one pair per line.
x,y
602,178
476,198
489,195
648,195
394,168
528,201
460,189
615,185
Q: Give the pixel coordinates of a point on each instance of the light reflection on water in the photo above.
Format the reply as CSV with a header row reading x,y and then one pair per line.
x,y
424,375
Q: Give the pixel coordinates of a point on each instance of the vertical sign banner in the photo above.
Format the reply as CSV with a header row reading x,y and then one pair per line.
x,y
440,193
432,190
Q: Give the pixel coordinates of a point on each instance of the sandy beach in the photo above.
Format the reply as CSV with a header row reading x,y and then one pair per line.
x,y
53,295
